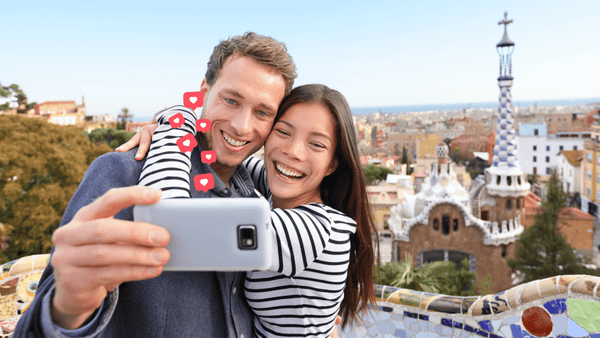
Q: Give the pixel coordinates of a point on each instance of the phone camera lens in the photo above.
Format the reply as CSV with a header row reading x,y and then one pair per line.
x,y
246,237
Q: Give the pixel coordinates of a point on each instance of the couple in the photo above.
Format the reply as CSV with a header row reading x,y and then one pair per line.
x,y
105,275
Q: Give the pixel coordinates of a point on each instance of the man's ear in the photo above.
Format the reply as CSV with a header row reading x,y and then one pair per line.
x,y
332,166
204,88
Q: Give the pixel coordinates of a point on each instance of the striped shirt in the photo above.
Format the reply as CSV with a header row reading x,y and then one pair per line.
x,y
301,293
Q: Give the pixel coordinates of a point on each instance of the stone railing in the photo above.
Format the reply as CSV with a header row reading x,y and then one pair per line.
x,y
567,306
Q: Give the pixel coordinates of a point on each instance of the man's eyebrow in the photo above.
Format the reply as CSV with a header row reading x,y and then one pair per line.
x,y
314,133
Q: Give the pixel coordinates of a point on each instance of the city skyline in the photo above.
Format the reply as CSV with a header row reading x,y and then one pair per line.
x,y
145,55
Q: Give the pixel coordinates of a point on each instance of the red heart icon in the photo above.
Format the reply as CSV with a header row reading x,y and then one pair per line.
x,y
204,182
187,143
193,100
203,125
208,156
176,121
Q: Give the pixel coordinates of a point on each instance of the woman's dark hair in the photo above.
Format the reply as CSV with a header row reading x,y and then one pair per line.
x,y
345,190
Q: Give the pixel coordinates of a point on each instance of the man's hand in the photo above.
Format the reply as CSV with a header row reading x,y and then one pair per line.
x,y
95,253
143,138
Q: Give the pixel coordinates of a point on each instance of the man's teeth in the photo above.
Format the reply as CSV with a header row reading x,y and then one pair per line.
x,y
287,172
232,141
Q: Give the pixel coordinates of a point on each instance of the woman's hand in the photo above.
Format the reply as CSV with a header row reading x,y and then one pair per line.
x,y
334,334
143,138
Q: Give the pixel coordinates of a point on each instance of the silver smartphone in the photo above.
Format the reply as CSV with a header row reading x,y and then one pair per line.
x,y
213,234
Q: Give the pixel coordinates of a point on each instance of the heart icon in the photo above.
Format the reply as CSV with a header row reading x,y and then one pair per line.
x,y
203,125
187,143
204,182
208,156
176,121
193,100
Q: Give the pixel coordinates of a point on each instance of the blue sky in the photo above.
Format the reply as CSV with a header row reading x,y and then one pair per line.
x,y
145,54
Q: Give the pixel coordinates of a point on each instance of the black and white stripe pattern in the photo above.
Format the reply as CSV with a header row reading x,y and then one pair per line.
x,y
301,293
167,167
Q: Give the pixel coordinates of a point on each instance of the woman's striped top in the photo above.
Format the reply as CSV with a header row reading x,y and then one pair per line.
x,y
301,293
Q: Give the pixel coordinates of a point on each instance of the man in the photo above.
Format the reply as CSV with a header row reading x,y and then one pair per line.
x,y
105,278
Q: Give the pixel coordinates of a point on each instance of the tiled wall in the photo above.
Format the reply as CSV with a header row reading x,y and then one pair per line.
x,y
562,306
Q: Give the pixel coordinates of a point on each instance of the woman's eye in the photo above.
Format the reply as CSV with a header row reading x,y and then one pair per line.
x,y
283,132
318,145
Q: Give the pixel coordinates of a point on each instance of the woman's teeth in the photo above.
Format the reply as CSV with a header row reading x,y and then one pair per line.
x,y
232,141
287,172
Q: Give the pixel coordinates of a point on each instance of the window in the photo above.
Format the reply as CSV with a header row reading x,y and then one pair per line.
x,y
455,224
574,147
446,224
597,178
588,191
508,205
535,132
547,148
598,160
589,156
560,148
588,174
535,159
534,170
436,224
518,203
534,148
503,250
597,195
548,171
547,159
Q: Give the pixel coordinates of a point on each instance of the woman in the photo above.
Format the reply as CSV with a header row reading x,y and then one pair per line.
x,y
321,217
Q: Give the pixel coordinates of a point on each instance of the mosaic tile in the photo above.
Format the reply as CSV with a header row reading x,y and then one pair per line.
x,y
496,325
468,328
382,326
427,298
423,317
435,320
411,314
585,313
422,334
552,307
481,333
575,330
512,320
457,325
423,326
511,297
560,324
530,293
448,304
415,327
410,334
516,330
438,330
595,335
406,297
399,324
400,333
446,331
486,325
584,286
396,316
467,302
447,322
360,332
537,321
565,281
506,331
548,287
387,335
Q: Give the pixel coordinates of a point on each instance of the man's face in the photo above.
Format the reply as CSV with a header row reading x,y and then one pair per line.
x,y
241,105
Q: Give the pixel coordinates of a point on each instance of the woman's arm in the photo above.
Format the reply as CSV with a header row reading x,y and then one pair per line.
x,y
256,169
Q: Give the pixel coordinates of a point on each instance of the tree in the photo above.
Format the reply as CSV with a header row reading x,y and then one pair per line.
x,y
541,250
373,172
23,106
396,149
41,166
112,137
436,277
405,160
125,117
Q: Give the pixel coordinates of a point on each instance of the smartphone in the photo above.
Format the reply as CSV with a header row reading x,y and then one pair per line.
x,y
213,234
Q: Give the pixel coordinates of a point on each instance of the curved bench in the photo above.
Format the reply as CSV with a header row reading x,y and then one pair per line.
x,y
566,306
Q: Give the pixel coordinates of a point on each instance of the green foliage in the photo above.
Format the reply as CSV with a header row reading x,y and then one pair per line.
x,y
373,172
405,160
112,137
41,165
125,117
541,250
436,277
21,98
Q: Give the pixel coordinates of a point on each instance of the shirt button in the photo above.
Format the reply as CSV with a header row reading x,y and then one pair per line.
x,y
234,291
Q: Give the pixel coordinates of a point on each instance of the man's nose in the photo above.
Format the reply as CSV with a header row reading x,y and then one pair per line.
x,y
242,122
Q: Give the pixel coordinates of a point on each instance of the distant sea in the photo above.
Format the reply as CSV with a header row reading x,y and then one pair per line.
x,y
447,106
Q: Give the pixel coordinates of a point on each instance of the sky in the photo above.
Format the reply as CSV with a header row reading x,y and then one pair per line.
x,y
144,55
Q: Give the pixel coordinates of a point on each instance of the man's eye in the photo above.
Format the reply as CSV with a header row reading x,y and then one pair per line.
x,y
230,101
262,113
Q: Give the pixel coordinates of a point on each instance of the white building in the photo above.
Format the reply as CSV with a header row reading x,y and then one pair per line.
x,y
538,152
569,170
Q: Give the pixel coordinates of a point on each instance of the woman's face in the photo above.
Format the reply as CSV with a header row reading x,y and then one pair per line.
x,y
299,152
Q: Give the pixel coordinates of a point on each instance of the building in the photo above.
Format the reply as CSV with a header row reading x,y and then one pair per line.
x,y
538,151
569,170
60,112
590,197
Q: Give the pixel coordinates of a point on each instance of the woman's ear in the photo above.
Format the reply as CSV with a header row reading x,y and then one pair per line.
x,y
332,166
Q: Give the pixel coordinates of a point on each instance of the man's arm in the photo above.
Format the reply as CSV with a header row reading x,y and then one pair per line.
x,y
90,253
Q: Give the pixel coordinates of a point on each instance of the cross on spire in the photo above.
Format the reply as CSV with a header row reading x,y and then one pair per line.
x,y
505,22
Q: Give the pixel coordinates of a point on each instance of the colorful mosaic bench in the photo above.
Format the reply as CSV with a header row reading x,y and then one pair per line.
x,y
562,306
